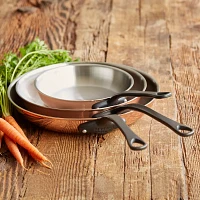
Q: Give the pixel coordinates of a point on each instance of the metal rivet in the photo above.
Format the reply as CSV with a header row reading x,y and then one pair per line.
x,y
84,131
124,119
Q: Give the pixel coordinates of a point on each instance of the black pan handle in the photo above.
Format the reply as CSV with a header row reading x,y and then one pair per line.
x,y
110,122
120,98
178,128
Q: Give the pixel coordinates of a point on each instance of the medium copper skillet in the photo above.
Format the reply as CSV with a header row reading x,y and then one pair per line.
x,y
32,101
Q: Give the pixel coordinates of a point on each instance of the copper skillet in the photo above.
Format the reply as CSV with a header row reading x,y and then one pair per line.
x,y
104,124
37,105
29,94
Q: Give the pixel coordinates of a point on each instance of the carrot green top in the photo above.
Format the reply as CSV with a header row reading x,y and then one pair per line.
x,y
32,56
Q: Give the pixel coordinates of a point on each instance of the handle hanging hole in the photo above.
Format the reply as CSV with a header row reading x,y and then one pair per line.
x,y
185,130
138,144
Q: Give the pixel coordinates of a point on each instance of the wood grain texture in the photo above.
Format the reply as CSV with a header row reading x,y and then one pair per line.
x,y
184,29
143,42
72,175
92,30
158,37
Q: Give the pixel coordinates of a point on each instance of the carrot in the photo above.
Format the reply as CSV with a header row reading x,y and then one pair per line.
x,y
13,148
1,138
13,134
13,122
10,119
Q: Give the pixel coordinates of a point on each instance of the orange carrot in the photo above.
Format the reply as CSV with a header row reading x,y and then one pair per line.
x,y
13,148
10,119
13,134
1,138
13,122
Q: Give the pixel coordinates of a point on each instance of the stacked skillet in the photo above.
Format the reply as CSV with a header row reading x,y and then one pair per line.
x,y
90,98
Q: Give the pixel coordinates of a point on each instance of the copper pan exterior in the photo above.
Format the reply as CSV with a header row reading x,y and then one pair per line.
x,y
70,125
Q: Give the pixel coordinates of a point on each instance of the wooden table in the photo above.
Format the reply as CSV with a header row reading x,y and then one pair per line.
x,y
160,37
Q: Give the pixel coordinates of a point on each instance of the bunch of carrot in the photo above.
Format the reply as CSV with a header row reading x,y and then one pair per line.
x,y
14,135
34,55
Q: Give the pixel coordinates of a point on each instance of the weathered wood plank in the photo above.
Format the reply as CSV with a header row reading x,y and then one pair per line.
x,y
71,176
159,37
26,20
184,28
92,31
143,42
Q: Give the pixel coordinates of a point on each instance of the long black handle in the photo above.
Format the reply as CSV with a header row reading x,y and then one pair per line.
x,y
103,125
178,128
120,98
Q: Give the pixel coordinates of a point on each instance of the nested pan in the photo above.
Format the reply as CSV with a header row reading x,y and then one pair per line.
x,y
29,95
108,120
70,125
33,102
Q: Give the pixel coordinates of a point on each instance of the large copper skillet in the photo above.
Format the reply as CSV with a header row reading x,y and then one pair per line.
x,y
70,125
